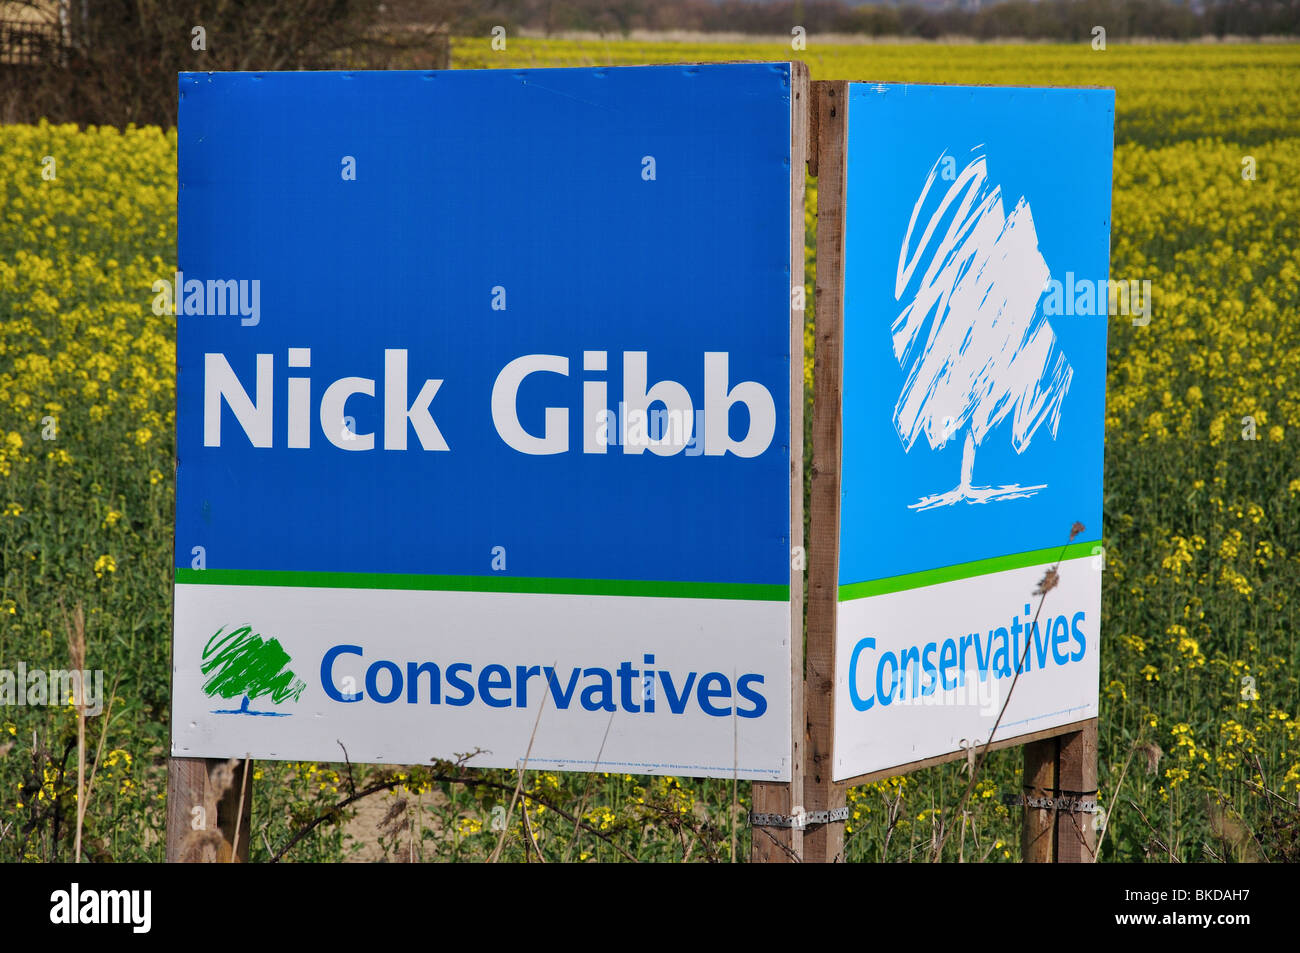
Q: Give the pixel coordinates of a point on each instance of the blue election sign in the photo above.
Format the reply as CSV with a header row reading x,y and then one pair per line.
x,y
496,365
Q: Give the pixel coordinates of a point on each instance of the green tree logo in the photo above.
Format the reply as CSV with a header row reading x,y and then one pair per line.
x,y
240,663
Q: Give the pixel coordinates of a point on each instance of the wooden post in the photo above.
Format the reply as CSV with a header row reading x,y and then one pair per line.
x,y
1076,774
1038,835
824,842
203,810
1064,766
785,844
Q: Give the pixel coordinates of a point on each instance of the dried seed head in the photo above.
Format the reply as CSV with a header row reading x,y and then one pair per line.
x,y
1048,582
75,624
395,820
1153,756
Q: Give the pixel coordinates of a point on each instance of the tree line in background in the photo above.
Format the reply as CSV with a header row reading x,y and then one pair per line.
x,y
115,61
928,19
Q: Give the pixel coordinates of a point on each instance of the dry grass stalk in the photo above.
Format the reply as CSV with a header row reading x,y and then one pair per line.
x,y
586,789
523,766
239,814
528,829
1049,582
1101,838
99,748
76,630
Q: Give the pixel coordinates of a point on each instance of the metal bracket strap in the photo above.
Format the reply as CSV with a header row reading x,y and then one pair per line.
x,y
800,820
1072,804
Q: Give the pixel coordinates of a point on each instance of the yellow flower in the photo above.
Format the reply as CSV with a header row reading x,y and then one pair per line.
x,y
1230,545
1191,650
1236,580
1180,557
105,564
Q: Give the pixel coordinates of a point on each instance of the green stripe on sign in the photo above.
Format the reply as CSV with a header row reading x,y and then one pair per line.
x,y
980,567
757,592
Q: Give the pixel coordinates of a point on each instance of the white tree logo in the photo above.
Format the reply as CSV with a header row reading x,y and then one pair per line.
x,y
972,337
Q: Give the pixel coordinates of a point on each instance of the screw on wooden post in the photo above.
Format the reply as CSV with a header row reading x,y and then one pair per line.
x,y
824,843
205,823
770,844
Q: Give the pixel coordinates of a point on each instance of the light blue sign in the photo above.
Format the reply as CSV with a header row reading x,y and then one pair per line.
x,y
976,297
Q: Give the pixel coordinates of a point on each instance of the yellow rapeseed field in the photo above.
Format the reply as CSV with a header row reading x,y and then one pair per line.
x,y
1200,663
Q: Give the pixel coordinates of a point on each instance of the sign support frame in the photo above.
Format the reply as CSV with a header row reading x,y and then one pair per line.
x,y
824,843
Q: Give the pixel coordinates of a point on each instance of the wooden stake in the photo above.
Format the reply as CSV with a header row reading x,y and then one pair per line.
x,y
775,844
203,810
1063,766
824,843
1038,835
1076,772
